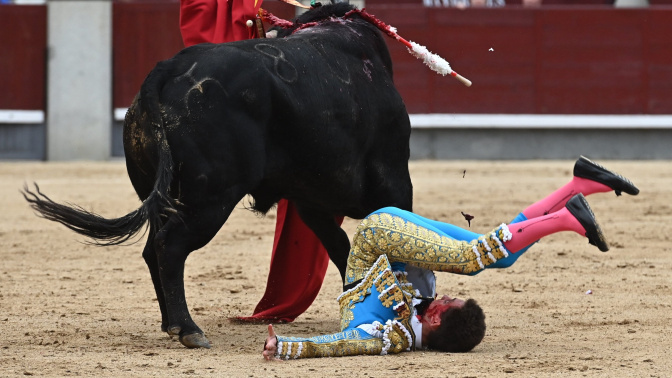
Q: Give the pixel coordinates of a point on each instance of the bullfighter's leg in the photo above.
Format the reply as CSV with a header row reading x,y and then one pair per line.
x,y
334,239
588,178
182,234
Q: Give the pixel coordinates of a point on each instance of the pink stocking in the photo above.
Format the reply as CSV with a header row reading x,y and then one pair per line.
x,y
557,200
533,229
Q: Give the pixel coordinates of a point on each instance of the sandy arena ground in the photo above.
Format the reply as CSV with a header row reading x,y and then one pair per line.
x,y
71,309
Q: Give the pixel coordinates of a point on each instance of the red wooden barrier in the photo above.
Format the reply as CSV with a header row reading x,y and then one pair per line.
x,y
547,60
23,49
143,34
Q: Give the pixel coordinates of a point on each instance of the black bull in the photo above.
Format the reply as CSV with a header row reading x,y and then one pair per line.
x,y
312,117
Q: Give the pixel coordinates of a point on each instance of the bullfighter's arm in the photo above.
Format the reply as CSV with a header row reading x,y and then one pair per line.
x,y
406,242
351,342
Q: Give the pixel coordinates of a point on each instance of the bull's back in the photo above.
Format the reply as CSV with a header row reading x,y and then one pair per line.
x,y
315,112
341,101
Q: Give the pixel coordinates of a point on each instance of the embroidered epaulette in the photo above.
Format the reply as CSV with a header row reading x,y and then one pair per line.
x,y
406,286
379,280
391,296
384,279
357,293
403,311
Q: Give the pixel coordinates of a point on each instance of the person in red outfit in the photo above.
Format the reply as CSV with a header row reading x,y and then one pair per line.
x,y
217,21
299,261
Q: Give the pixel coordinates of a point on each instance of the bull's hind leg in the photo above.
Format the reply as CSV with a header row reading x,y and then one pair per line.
x,y
182,234
330,233
149,255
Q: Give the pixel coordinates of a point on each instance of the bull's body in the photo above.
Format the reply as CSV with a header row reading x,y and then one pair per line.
x,y
313,118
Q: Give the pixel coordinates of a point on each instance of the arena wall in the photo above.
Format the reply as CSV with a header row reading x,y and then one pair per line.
x,y
549,82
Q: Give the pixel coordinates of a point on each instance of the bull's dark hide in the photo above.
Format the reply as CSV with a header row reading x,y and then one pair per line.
x,y
312,117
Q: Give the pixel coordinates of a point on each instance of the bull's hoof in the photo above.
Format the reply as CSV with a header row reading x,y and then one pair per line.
x,y
195,340
174,331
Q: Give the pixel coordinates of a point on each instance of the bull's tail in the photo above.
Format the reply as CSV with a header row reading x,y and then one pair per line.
x,y
103,231
116,231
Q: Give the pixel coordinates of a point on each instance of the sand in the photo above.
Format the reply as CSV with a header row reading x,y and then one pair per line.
x,y
72,309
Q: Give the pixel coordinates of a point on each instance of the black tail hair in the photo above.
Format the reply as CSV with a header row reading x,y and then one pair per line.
x,y
104,231
114,231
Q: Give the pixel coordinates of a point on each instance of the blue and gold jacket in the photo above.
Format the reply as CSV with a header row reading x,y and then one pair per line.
x,y
378,301
376,314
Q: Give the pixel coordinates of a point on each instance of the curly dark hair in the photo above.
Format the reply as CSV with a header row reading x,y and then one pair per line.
x,y
461,329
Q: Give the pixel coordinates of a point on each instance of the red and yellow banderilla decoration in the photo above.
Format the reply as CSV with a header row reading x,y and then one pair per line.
x,y
433,61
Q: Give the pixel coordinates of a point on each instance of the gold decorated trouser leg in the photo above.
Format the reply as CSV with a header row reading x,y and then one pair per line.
x,y
406,242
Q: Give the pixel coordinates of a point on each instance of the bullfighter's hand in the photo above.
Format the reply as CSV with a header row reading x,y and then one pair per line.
x,y
271,345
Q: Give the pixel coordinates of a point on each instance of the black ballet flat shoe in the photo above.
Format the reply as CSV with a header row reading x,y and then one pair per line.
x,y
588,169
579,208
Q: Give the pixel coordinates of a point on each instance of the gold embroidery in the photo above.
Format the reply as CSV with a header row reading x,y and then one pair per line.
x,y
384,280
404,241
398,340
403,311
343,348
348,343
346,315
348,299
392,295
